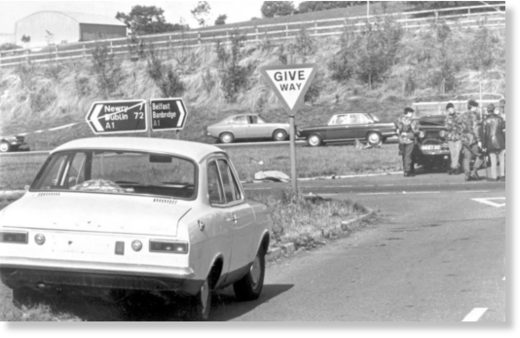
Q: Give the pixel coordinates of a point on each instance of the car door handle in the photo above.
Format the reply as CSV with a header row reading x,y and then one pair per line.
x,y
233,219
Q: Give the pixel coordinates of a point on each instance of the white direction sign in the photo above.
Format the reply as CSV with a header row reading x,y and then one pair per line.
x,y
290,83
167,114
110,117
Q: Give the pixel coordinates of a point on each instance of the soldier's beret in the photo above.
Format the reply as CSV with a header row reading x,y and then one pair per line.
x,y
472,103
449,105
408,110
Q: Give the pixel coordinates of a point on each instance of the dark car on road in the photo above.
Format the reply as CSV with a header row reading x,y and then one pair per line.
x,y
13,143
344,128
432,148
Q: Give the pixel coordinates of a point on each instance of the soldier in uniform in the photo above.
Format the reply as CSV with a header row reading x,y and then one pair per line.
x,y
453,137
494,141
407,128
471,143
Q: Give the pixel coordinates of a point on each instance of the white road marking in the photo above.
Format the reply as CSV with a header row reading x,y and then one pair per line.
x,y
475,314
489,201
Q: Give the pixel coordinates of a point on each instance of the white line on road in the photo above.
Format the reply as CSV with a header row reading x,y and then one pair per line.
x,y
475,314
489,201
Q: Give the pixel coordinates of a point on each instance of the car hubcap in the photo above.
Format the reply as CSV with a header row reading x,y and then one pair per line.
x,y
3,147
226,138
255,271
280,135
373,138
314,140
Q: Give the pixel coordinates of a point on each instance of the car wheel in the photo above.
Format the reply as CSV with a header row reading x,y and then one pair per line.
x,y
250,286
226,138
201,304
374,139
279,135
4,147
314,140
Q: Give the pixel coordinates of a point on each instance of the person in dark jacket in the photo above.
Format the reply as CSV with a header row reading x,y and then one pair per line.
x,y
407,128
453,136
494,141
471,143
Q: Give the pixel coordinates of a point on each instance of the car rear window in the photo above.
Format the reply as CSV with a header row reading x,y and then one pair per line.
x,y
120,172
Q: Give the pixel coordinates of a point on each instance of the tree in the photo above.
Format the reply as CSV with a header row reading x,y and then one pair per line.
x,y
144,20
201,12
233,76
164,76
314,6
108,71
221,20
271,9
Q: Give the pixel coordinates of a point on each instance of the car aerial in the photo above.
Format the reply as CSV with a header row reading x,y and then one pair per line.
x,y
245,127
134,213
432,149
13,143
343,128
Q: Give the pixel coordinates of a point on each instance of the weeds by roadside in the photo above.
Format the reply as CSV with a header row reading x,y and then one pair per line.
x,y
298,219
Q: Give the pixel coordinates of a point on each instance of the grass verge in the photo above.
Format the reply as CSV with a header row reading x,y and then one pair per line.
x,y
18,171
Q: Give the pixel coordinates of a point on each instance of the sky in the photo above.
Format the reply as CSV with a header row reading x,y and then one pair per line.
x,y
174,11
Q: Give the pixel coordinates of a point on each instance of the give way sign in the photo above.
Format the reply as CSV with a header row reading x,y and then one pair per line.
x,y
111,117
290,83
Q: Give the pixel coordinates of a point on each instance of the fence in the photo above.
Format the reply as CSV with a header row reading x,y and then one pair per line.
x,y
461,17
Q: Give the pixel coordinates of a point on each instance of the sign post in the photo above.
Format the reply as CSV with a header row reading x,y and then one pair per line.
x,y
112,117
290,83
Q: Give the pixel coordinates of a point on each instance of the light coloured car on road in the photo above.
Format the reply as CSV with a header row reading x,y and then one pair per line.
x,y
247,127
132,213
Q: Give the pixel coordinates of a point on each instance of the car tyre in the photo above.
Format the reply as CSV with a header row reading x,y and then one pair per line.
x,y
226,138
4,147
250,286
374,139
279,135
201,303
314,140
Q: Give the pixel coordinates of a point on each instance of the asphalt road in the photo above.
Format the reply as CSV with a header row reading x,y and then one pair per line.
x,y
436,256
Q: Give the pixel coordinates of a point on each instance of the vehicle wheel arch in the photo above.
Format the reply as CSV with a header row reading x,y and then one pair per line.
x,y
215,271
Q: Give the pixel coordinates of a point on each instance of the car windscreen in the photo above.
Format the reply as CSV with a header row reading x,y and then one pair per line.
x,y
118,172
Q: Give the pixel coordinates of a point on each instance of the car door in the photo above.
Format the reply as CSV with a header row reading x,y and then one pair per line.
x,y
240,126
338,128
257,127
359,126
240,217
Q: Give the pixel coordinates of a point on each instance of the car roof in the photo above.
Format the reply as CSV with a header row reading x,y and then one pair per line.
x,y
193,150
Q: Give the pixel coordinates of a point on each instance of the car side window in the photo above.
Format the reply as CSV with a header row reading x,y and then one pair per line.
x,y
240,120
216,195
230,185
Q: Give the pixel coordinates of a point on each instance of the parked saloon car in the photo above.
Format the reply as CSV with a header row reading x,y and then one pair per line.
x,y
347,128
432,148
13,143
136,214
247,126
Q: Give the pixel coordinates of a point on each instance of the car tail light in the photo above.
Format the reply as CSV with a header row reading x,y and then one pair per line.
x,y
39,239
14,237
169,247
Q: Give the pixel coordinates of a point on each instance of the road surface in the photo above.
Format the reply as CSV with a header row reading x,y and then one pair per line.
x,y
436,256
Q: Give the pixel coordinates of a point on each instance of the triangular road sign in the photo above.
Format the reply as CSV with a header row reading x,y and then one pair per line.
x,y
290,83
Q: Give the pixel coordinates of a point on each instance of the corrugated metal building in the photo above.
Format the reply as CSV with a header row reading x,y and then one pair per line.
x,y
54,27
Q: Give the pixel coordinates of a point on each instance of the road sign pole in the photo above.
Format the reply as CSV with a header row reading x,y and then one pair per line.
x,y
148,116
294,178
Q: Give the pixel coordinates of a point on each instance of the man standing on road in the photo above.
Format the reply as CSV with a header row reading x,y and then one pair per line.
x,y
494,141
453,137
471,144
407,128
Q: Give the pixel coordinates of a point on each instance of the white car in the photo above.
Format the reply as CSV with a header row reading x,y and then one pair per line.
x,y
136,213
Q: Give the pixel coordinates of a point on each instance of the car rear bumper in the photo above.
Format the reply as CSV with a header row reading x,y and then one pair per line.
x,y
60,274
